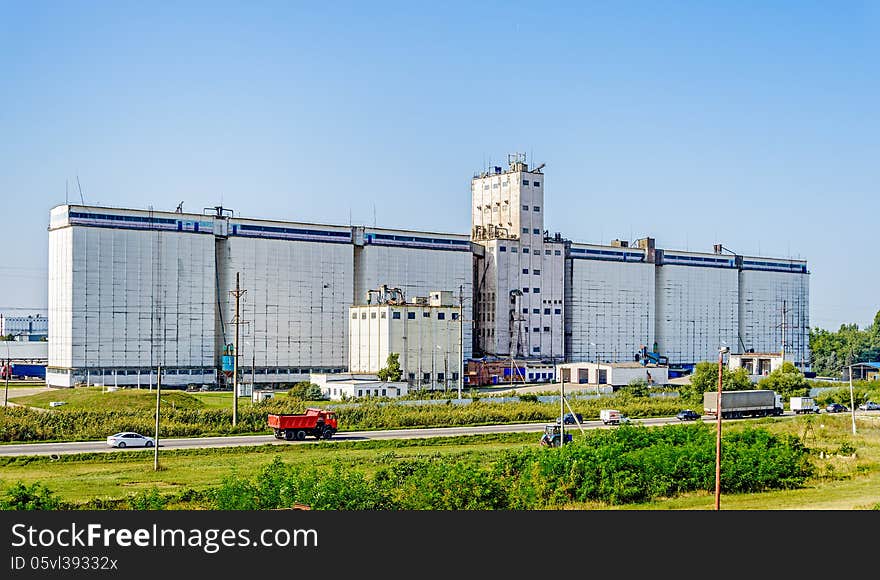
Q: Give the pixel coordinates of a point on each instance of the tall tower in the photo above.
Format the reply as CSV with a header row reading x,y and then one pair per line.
x,y
519,278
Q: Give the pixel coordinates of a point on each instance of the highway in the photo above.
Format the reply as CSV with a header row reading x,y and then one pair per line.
x,y
73,447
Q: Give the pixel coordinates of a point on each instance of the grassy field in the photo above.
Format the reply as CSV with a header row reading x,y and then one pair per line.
x,y
847,466
98,397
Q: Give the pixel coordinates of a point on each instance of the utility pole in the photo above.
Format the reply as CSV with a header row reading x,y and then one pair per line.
x,y
718,413
852,402
460,338
156,434
238,293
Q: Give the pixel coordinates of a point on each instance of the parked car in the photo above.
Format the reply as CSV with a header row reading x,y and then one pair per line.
x,y
687,415
836,408
869,406
130,439
569,419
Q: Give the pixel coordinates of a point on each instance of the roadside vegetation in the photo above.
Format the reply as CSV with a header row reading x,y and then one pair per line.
x,y
806,462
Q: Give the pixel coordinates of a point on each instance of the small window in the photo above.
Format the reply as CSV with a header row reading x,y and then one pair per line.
x,y
426,377
536,272
486,186
536,230
441,316
412,376
354,315
363,315
531,376
513,249
546,311
454,376
536,252
455,316
525,181
426,314
546,329
546,252
525,270
536,329
360,393
556,252
494,186
536,349
537,207
525,208
372,315
536,290
557,311
525,290
536,183
536,311
525,250
502,248
383,314
525,310
441,376
395,315
525,230
383,392
410,315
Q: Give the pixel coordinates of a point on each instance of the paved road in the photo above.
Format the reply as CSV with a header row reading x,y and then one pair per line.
x,y
242,440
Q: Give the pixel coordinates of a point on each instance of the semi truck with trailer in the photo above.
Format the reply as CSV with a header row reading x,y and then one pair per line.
x,y
318,423
741,404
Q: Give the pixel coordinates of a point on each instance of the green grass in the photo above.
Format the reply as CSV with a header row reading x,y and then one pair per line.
x,y
124,399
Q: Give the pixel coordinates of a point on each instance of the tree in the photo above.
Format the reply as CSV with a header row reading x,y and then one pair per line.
x,y
787,381
637,387
705,378
305,391
392,371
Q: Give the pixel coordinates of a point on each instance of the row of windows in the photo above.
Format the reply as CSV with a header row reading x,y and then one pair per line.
x,y
538,311
534,290
534,207
536,231
535,272
526,250
504,184
426,377
395,315
122,218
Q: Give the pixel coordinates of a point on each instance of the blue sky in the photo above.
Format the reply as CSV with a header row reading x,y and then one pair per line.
x,y
751,124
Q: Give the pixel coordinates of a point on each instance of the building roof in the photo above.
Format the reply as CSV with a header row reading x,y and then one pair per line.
x,y
875,365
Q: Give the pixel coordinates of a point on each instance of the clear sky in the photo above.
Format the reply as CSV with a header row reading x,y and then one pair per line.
x,y
751,124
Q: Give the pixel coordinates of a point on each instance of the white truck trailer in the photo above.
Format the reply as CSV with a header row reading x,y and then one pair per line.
x,y
802,405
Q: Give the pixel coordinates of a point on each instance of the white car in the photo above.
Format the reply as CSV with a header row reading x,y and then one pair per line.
x,y
869,406
130,439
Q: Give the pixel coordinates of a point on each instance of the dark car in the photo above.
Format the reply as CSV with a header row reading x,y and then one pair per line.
x,y
569,419
687,415
836,408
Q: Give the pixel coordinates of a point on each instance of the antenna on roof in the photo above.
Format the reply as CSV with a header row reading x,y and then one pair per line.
x,y
179,208
81,198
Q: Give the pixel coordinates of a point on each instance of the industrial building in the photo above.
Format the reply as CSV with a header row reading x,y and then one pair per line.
x,y
426,332
131,289
33,327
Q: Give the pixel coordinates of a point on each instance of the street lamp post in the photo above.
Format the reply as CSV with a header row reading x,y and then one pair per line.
x,y
597,367
852,403
721,352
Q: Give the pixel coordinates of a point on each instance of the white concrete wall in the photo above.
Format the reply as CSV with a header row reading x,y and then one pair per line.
x,y
417,271
296,305
762,297
612,305
697,311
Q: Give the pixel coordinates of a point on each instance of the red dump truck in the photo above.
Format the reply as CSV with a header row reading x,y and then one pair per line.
x,y
318,423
